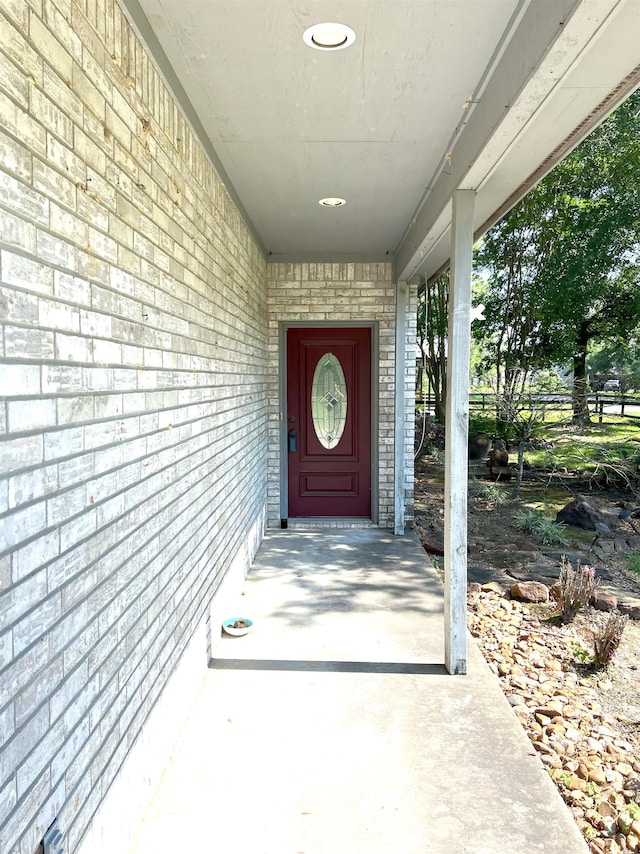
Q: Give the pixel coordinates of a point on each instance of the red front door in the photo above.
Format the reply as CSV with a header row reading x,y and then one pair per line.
x,y
329,421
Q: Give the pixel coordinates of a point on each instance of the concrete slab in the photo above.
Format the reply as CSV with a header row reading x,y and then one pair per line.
x,y
332,726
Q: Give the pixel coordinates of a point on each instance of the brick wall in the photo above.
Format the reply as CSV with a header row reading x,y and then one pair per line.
x,y
411,324
133,351
331,293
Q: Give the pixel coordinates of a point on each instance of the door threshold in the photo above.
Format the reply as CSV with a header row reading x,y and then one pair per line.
x,y
314,522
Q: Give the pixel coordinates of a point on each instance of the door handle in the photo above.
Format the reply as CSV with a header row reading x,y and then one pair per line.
x,y
293,441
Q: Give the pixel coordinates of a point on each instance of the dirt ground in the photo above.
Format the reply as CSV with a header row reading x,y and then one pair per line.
x,y
500,552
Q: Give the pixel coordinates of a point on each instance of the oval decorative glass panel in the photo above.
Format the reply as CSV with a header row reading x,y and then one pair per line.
x,y
329,401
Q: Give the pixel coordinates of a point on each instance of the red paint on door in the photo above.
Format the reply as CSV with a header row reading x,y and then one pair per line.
x,y
329,481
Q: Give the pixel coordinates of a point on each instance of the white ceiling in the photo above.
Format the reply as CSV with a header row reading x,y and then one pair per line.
x,y
433,94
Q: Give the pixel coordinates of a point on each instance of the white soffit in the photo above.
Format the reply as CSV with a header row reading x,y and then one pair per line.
x,y
290,125
432,96
587,72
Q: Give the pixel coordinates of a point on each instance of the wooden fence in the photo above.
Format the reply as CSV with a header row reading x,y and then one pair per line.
x,y
601,403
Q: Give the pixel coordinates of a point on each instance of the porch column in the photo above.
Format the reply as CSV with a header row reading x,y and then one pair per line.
x,y
400,406
456,436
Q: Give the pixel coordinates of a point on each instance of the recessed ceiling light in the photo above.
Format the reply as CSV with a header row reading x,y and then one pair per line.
x,y
332,203
329,36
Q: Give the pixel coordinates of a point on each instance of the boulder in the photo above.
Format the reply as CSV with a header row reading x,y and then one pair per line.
x,y
529,591
526,546
479,445
584,513
433,543
604,601
631,609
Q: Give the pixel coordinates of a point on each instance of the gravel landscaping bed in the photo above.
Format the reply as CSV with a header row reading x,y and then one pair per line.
x,y
585,725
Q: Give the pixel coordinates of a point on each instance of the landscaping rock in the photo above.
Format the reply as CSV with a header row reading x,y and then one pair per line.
x,y
529,591
573,557
594,767
584,513
555,592
433,546
535,572
479,445
604,601
631,609
526,546
605,548
494,586
486,575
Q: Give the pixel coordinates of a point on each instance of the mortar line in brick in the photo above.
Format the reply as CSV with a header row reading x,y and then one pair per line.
x,y
104,738
126,416
202,529
141,480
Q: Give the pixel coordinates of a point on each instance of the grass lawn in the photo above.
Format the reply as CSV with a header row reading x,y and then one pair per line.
x,y
588,449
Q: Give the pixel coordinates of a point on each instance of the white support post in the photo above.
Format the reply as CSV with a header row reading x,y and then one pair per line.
x,y
400,379
457,434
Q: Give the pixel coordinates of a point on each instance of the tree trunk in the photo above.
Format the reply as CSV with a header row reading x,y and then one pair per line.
x,y
579,398
437,295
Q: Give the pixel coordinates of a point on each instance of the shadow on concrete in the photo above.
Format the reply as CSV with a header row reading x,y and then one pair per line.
x,y
327,666
328,572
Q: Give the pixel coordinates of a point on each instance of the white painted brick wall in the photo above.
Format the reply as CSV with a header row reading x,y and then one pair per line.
x,y
330,293
133,419
410,399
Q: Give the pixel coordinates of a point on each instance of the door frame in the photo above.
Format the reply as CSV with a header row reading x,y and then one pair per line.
x,y
283,327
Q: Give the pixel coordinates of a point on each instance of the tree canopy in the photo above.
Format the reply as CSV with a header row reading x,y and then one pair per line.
x,y
561,269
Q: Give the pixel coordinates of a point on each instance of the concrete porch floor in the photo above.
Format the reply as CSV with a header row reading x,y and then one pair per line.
x,y
332,727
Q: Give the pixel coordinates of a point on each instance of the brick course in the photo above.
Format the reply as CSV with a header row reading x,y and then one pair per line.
x,y
334,293
139,432
133,420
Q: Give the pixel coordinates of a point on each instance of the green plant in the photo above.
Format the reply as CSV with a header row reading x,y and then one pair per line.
x,y
593,789
561,448
607,640
633,563
533,521
482,422
490,492
436,454
552,533
617,466
629,815
560,776
527,520
580,652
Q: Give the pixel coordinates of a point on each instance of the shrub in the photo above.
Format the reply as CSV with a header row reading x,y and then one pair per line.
x,y
607,640
528,520
533,521
633,563
552,533
490,492
577,586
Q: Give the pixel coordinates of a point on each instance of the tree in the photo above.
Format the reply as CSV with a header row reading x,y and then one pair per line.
x,y
432,339
563,266
512,257
619,358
